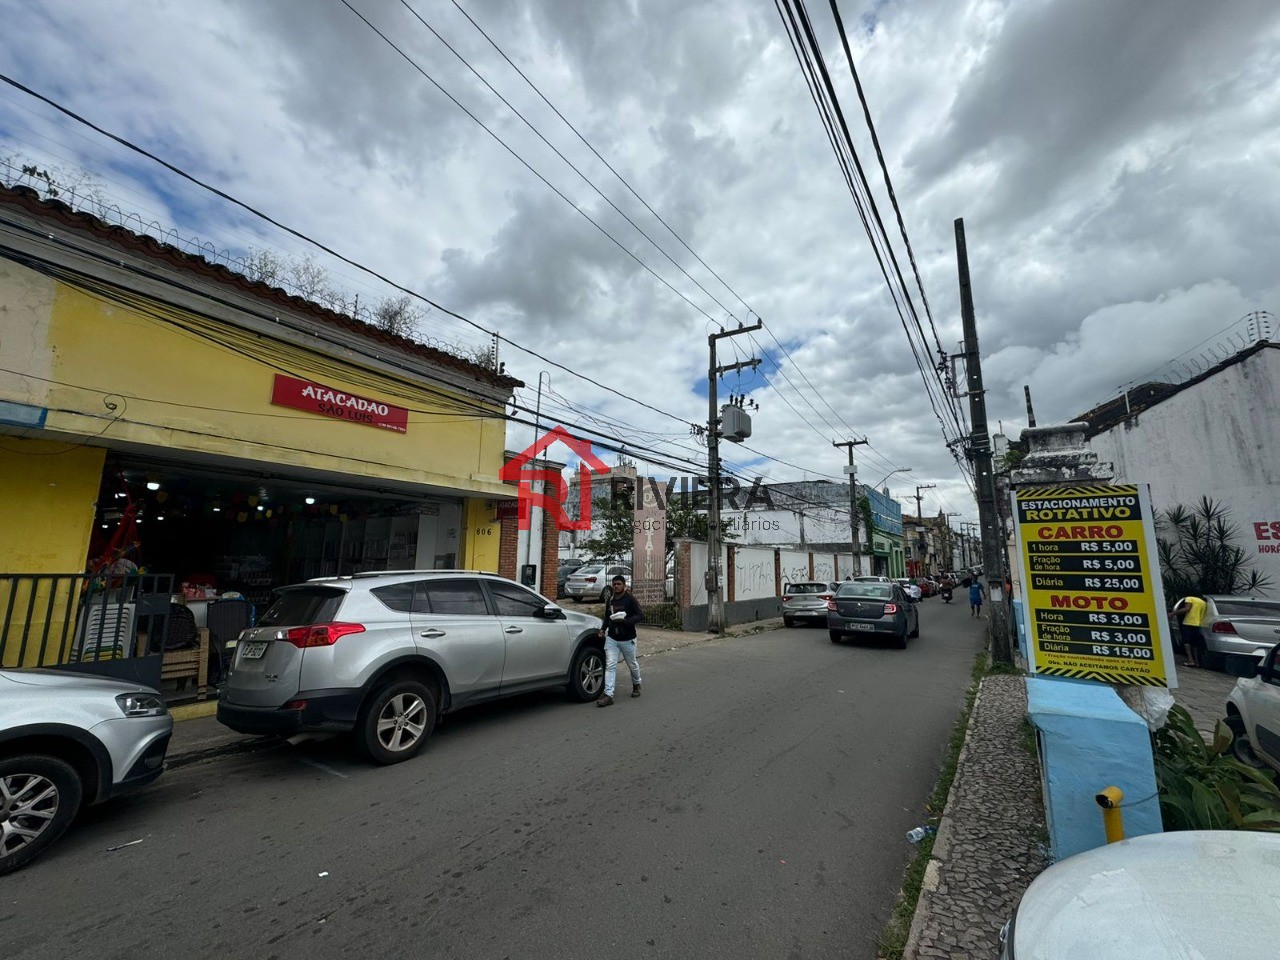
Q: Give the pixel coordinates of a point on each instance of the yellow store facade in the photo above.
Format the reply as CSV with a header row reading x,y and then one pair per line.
x,y
244,437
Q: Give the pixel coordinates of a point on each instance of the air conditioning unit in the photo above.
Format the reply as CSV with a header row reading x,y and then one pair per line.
x,y
735,424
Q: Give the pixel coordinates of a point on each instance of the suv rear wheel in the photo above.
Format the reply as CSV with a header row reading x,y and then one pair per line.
x,y
396,721
39,797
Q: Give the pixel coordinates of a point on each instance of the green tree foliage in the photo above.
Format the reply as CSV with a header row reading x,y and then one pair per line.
x,y
1199,554
617,537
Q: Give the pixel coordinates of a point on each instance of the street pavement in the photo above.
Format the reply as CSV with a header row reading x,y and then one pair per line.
x,y
753,803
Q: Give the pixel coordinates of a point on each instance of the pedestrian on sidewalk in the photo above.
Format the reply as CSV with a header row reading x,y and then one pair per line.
x,y
976,593
621,614
1191,610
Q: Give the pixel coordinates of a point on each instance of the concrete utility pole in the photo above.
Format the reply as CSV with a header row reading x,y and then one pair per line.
x,y
949,547
854,512
980,451
715,584
920,520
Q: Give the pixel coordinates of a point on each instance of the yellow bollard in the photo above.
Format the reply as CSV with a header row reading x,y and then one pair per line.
x,y
1112,819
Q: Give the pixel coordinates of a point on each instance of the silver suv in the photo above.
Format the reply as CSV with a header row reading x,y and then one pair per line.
x,y
384,655
68,740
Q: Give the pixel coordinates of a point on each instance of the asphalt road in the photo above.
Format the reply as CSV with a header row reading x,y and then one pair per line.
x,y
751,804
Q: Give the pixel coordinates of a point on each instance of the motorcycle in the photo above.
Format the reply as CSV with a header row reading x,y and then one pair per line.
x,y
946,594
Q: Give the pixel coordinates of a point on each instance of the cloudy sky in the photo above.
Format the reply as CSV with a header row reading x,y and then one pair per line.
x,y
1116,163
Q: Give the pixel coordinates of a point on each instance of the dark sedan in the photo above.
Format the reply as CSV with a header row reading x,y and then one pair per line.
x,y
872,609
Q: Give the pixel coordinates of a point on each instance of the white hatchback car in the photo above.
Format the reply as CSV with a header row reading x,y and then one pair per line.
x,y
68,740
1186,895
1253,714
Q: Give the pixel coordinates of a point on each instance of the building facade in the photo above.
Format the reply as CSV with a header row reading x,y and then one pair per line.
x,y
1213,436
242,435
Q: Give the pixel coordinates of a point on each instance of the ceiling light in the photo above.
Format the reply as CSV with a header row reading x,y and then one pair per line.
x,y
217,509
310,501
261,508
153,485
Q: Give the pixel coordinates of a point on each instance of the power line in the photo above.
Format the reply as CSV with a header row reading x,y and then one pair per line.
x,y
322,247
626,183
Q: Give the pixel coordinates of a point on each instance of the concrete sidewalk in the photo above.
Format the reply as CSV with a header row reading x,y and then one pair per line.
x,y
197,735
991,840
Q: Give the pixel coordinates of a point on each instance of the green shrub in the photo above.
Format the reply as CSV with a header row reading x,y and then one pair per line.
x,y
1203,787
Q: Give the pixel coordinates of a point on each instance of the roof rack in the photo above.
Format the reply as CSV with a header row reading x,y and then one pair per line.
x,y
393,573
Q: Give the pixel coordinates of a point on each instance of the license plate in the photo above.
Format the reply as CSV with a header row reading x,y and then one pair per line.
x,y
254,650
860,626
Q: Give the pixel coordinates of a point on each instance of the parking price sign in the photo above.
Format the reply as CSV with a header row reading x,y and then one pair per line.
x,y
1091,583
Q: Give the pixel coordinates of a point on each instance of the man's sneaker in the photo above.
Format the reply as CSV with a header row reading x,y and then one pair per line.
x,y
635,690
605,701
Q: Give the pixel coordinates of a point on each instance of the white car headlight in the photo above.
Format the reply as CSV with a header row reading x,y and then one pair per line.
x,y
141,705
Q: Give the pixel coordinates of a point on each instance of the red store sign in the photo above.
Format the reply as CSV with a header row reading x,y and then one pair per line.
x,y
328,402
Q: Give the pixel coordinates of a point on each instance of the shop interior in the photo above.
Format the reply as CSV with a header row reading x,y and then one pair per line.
x,y
222,532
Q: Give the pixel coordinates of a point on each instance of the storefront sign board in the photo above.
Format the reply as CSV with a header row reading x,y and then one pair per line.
x,y
330,402
1091,584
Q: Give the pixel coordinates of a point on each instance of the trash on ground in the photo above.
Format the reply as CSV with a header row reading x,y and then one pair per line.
x,y
919,833
121,846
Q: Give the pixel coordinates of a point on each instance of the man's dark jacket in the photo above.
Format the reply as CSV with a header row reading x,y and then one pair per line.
x,y
621,629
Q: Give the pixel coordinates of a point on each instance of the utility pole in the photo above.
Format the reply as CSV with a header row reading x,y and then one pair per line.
x,y
854,512
993,561
920,538
715,585
949,547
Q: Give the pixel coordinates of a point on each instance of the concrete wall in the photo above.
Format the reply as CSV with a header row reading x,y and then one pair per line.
x,y
1218,438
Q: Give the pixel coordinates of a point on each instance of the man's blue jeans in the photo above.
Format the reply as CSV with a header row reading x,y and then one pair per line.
x,y
612,650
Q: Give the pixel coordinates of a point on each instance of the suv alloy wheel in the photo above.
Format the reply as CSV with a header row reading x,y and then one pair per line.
x,y
396,721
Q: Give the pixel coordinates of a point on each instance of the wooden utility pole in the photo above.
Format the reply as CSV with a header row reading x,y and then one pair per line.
x,y
993,562
854,512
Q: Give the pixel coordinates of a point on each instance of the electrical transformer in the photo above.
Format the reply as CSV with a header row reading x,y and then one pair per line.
x,y
735,424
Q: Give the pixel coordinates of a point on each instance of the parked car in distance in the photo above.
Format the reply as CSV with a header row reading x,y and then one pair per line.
x,y
591,581
911,588
806,601
872,609
1253,714
1184,895
1245,627
67,741
928,587
566,569
383,655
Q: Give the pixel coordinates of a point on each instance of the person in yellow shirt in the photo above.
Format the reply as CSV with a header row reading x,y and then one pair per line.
x,y
1191,610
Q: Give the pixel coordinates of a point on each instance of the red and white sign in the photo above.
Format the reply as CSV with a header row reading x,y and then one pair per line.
x,y
328,402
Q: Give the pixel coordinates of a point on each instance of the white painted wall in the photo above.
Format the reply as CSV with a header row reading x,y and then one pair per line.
x,y
1219,438
795,566
753,573
698,571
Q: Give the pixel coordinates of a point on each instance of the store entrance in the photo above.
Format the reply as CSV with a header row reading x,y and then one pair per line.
x,y
219,532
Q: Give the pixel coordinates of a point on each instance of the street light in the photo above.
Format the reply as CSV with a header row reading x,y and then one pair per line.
x,y
891,473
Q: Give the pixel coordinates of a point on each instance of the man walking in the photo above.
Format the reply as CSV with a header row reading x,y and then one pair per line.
x,y
976,593
621,614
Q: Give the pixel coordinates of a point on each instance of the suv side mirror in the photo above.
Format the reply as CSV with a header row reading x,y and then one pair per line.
x,y
552,612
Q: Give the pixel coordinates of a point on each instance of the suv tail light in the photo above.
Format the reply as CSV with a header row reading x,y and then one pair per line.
x,y
1223,626
831,603
890,609
321,634
591,579
786,599
825,596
